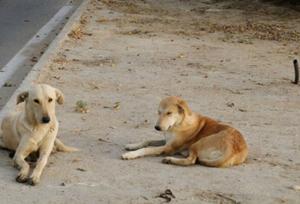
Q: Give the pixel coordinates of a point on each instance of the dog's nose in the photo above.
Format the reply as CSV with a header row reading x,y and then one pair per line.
x,y
45,119
157,128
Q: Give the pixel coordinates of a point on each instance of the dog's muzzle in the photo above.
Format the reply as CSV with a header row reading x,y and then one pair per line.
x,y
157,128
45,119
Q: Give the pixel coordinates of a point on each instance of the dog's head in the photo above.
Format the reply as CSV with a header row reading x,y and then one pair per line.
x,y
171,112
40,102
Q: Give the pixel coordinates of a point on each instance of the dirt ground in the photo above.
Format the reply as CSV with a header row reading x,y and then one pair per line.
x,y
230,60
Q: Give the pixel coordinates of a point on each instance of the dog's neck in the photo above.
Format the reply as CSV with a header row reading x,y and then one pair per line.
x,y
188,126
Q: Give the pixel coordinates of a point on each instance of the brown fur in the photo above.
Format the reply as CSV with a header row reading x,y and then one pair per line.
x,y
207,141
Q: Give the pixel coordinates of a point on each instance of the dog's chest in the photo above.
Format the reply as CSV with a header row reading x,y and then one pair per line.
x,y
168,137
41,134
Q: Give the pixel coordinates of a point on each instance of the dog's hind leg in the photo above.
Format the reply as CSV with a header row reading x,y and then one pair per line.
x,y
148,151
153,143
2,146
214,157
190,160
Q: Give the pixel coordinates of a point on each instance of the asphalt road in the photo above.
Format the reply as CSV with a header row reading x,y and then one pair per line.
x,y
20,20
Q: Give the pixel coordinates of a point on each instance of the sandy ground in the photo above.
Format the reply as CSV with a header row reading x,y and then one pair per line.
x,y
228,62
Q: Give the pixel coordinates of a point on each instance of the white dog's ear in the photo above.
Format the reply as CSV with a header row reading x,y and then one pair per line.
x,y
59,96
183,107
22,97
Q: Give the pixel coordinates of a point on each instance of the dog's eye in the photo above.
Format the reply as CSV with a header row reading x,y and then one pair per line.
x,y
169,113
36,101
50,100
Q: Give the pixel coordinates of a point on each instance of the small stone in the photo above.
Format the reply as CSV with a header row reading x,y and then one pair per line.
x,y
81,169
230,104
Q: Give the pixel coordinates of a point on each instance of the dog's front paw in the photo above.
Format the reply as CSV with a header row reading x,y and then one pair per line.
x,y
131,147
129,155
21,178
167,160
33,181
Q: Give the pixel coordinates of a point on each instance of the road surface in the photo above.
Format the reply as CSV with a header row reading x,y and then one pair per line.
x,y
20,21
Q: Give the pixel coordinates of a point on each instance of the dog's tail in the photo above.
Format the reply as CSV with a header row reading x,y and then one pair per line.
x,y
61,147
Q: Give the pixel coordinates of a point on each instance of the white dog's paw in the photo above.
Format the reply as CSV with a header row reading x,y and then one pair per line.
x,y
167,160
33,180
21,178
129,155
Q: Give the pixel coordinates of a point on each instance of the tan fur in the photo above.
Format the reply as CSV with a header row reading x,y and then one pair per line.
x,y
28,130
207,141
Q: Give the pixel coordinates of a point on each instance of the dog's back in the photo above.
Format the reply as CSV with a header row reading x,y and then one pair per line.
x,y
10,136
220,145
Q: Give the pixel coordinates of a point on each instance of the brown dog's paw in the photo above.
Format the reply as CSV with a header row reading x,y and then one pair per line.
x,y
129,155
124,157
21,179
167,160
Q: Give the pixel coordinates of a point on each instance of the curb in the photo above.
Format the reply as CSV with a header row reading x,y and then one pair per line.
x,y
46,58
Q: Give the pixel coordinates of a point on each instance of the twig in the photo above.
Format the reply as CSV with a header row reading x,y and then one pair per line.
x,y
167,195
227,198
296,67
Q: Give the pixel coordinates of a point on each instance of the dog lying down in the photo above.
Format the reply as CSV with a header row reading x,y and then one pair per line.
x,y
207,141
33,128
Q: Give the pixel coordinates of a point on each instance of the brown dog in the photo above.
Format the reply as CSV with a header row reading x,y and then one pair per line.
x,y
208,141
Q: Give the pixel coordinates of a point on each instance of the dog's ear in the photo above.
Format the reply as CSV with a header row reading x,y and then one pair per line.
x,y
59,96
183,107
22,97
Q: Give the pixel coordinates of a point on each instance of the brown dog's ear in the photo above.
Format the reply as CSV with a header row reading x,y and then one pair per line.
x,y
59,96
183,107
22,97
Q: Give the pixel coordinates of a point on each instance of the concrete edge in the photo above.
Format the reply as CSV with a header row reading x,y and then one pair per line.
x,y
46,58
